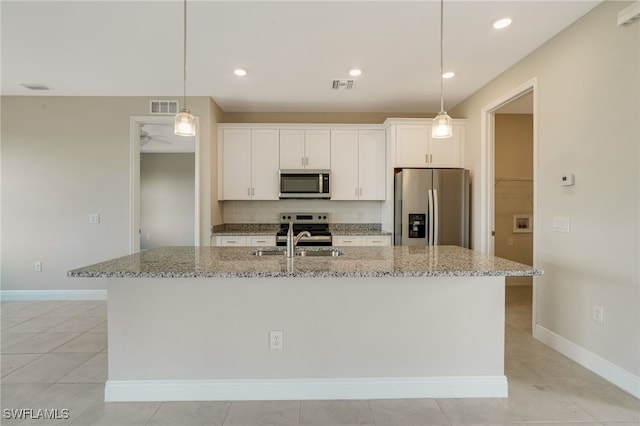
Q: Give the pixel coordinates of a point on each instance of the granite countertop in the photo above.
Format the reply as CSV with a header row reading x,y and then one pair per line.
x,y
225,262
245,229
231,229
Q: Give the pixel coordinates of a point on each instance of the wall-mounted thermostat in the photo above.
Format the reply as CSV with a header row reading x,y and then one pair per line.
x,y
567,180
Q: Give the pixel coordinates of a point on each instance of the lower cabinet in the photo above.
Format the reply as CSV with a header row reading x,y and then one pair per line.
x,y
361,240
250,240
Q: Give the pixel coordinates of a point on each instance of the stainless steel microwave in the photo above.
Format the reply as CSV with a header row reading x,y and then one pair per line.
x,y
304,183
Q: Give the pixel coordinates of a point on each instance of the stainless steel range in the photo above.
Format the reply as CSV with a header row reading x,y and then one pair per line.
x,y
316,223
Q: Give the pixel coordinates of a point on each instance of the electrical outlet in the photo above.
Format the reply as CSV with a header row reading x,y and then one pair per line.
x,y
598,314
37,266
94,218
275,340
510,242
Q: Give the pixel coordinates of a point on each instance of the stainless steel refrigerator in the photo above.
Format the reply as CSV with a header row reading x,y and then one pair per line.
x,y
432,207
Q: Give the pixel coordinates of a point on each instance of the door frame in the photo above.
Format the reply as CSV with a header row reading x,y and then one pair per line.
x,y
487,153
135,125
487,175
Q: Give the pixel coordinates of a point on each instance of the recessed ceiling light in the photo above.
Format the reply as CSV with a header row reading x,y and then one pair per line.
x,y
502,23
240,72
355,72
449,74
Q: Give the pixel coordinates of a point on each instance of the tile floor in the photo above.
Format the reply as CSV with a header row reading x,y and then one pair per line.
x,y
54,356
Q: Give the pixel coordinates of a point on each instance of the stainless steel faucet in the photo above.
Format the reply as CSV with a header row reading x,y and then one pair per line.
x,y
292,240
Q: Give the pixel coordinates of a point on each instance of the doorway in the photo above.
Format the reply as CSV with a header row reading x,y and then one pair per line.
x,y
164,185
513,187
508,185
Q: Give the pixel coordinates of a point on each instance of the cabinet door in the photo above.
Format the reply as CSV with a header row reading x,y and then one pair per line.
x,y
236,164
344,165
371,164
264,165
292,149
346,240
411,143
446,152
318,149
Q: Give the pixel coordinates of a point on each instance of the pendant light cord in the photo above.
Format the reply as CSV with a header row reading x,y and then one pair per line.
x,y
184,52
441,55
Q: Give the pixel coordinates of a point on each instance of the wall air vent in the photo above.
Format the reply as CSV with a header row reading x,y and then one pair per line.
x,y
36,86
164,107
629,15
342,84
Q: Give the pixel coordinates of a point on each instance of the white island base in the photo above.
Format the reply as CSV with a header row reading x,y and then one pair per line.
x,y
177,339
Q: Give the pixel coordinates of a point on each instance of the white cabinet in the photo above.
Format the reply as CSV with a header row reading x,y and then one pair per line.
x,y
361,240
414,147
249,164
358,165
380,240
249,240
230,241
261,240
346,240
305,149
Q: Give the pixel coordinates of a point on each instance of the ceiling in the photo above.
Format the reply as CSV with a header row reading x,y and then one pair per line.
x,y
292,50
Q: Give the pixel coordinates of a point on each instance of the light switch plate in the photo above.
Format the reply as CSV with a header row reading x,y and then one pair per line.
x,y
94,218
561,224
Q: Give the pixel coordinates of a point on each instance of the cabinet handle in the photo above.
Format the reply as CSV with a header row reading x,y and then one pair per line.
x,y
360,191
253,191
426,158
302,161
249,191
430,158
356,192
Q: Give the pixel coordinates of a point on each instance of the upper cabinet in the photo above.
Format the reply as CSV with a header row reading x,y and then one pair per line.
x,y
358,164
414,146
250,156
305,149
249,164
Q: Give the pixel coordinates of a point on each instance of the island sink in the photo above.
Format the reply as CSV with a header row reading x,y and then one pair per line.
x,y
302,253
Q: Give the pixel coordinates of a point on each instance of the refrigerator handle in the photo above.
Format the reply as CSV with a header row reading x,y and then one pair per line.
x,y
430,214
436,218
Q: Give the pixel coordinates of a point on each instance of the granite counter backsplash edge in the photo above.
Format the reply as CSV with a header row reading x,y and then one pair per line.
x,y
271,228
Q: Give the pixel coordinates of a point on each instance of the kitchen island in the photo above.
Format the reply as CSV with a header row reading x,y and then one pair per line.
x,y
195,323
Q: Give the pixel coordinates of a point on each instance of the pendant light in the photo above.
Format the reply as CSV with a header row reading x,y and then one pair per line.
x,y
442,125
185,123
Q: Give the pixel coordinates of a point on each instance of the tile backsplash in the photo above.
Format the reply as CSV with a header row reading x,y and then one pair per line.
x,y
268,211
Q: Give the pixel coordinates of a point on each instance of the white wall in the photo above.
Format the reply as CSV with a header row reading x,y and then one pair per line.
x,y
167,199
587,115
66,157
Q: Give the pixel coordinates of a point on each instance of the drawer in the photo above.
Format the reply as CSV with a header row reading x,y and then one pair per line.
x,y
261,240
346,240
230,241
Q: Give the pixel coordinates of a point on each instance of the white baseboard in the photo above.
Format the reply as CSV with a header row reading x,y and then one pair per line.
x,y
618,376
13,295
306,389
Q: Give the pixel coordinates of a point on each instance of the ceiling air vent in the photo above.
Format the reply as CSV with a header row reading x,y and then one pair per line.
x,y
164,107
342,84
